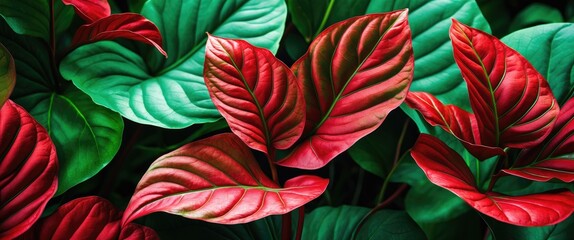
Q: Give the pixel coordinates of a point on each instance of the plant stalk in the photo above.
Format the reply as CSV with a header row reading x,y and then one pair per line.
x,y
300,222
52,43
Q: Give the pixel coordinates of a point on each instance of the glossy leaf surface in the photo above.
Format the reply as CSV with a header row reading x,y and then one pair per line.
x,y
90,10
122,25
445,168
147,88
88,218
353,75
217,180
28,170
18,16
513,104
87,136
390,224
255,92
560,231
554,157
7,74
549,48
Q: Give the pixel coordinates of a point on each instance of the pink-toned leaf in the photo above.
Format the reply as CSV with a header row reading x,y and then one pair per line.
x,y
353,75
217,180
513,104
87,218
28,170
90,10
553,158
255,92
445,168
7,74
454,120
124,25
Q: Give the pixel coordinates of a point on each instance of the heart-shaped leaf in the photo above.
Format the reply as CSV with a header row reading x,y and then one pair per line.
x,y
18,16
445,168
87,136
217,180
549,48
255,92
353,75
88,218
7,74
28,170
90,10
513,104
561,231
150,89
122,25
553,158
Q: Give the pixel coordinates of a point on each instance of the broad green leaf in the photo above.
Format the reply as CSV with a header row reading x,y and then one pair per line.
x,y
170,226
32,17
342,222
560,231
86,135
533,14
7,74
468,226
549,49
148,88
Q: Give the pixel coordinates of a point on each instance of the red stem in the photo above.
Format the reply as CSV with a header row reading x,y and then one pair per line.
x,y
286,226
300,222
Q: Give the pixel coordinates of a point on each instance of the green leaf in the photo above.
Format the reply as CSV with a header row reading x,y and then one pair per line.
x,y
146,87
533,14
341,222
7,74
170,226
561,231
86,135
32,17
549,48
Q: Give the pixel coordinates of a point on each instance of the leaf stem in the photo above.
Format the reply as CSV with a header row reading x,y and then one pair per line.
x,y
300,222
52,43
396,161
324,20
286,226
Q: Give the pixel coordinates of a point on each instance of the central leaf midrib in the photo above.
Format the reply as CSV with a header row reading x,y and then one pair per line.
x,y
338,97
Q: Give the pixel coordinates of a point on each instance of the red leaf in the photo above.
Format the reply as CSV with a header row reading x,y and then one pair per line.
x,y
255,92
7,74
88,218
353,75
512,102
217,180
445,168
550,159
454,120
124,25
28,170
90,10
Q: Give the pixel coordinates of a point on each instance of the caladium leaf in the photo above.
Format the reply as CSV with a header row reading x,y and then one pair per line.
x,y
554,157
28,170
7,74
353,75
548,49
445,168
17,15
513,104
255,92
147,88
123,25
90,10
88,218
217,180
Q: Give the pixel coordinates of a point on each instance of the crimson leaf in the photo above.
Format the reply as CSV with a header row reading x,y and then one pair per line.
x,y
123,25
354,73
255,92
217,180
90,10
445,168
87,218
554,157
28,170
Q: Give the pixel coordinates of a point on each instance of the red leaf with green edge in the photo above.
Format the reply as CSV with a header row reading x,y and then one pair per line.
x,y
87,218
353,75
454,120
28,170
123,25
7,74
445,168
553,158
513,104
217,180
255,92
90,10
